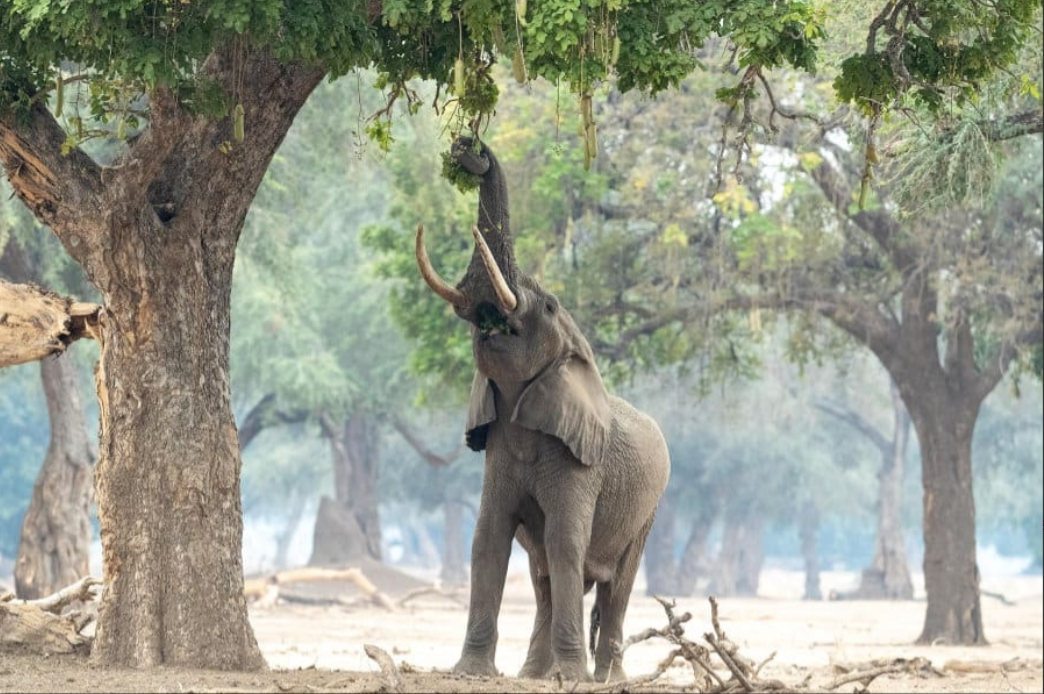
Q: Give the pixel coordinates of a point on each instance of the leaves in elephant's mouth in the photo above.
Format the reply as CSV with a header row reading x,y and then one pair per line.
x,y
491,322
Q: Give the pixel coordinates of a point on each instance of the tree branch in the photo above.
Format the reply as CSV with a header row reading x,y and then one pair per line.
x,y
417,443
35,323
856,421
1012,126
62,190
263,415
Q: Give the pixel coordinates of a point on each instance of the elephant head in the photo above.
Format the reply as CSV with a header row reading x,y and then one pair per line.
x,y
524,343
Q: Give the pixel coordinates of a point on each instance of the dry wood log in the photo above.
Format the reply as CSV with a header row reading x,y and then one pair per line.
x,y
261,588
35,323
35,626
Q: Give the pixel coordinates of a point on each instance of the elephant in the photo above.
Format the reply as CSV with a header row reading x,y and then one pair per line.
x,y
573,473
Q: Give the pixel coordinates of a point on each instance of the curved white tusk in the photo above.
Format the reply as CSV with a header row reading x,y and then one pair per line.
x,y
437,284
507,298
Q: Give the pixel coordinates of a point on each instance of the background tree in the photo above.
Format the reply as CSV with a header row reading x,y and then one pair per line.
x,y
56,529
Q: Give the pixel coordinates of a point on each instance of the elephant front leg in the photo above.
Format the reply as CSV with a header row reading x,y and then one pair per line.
x,y
490,552
539,660
566,547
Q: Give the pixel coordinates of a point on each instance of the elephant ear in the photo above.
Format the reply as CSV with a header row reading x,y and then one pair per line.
x,y
481,412
569,401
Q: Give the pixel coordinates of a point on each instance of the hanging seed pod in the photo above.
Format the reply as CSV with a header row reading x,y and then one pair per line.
x,y
871,153
585,109
520,12
614,55
458,77
518,66
592,140
238,132
59,95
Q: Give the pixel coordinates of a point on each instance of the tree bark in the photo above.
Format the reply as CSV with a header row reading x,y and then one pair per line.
x,y
348,525
453,571
54,548
35,323
156,233
951,572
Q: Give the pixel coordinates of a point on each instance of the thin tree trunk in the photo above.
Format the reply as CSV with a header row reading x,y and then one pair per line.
x,y
285,537
888,576
56,534
348,525
453,572
809,532
752,556
692,563
738,569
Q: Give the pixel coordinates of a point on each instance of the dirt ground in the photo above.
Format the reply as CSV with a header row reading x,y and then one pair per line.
x,y
312,648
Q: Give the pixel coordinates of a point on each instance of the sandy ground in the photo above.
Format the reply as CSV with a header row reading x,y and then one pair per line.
x,y
320,648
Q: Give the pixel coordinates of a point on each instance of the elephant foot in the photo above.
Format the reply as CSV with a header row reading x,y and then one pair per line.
x,y
574,671
476,666
613,673
535,671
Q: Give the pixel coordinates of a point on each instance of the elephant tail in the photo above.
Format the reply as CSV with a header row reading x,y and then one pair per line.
x,y
596,621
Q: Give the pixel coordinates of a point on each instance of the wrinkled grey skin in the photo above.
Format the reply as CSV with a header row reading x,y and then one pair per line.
x,y
572,472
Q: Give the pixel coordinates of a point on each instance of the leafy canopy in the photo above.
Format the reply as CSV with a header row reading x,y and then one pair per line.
x,y
124,48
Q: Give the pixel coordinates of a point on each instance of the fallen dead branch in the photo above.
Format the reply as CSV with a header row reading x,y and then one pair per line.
x,y
387,666
452,595
267,590
36,626
865,677
719,668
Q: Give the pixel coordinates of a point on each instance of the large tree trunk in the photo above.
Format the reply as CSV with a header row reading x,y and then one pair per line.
x,y
56,534
945,427
156,232
348,526
168,483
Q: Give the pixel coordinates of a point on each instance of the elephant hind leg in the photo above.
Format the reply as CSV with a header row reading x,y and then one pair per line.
x,y
611,602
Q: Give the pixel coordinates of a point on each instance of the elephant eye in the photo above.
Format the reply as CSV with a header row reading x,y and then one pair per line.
x,y
551,306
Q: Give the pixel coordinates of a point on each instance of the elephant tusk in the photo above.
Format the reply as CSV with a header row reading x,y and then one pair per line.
x,y
507,298
437,284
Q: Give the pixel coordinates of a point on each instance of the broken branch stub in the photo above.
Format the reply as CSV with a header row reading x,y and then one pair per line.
x,y
35,323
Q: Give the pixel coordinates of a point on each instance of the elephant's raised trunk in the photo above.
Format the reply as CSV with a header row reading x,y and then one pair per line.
x,y
493,218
